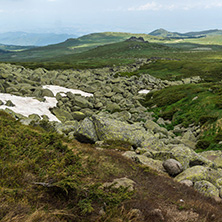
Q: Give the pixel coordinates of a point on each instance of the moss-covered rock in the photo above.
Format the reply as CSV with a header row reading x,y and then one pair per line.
x,y
206,188
198,173
110,129
188,158
67,127
86,132
47,92
62,114
78,115
34,117
9,103
151,163
112,107
81,102
121,182
213,155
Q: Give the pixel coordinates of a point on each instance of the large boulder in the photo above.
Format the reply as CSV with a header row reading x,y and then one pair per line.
x,y
47,92
213,155
86,132
198,173
173,167
151,163
81,102
110,129
112,107
78,115
188,158
150,125
206,188
153,143
62,114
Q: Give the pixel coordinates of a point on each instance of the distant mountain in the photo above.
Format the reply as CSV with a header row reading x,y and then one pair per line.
x,y
34,39
164,33
206,33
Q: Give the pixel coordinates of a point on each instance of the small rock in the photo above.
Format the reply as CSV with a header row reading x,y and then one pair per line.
x,y
173,167
188,183
157,213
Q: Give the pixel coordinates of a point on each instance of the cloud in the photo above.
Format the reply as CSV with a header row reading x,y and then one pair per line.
x,y
156,6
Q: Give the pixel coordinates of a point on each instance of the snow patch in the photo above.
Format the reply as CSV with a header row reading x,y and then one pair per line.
x,y
29,105
60,89
144,91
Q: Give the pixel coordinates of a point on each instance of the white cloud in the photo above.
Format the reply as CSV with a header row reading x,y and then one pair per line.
x,y
155,6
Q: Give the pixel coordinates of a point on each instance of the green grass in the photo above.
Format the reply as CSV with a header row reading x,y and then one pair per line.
x,y
190,104
38,170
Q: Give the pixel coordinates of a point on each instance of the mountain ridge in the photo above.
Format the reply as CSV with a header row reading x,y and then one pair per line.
x,y
164,33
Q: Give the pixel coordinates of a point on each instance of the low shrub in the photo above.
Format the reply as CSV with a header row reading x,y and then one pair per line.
x,y
207,118
202,144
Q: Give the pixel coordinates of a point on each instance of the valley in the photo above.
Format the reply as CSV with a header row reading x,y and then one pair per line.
x,y
130,130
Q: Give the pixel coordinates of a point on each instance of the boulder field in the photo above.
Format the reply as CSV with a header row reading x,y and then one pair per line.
x,y
113,112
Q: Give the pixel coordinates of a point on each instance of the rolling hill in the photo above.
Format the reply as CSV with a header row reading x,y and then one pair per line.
x,y
72,46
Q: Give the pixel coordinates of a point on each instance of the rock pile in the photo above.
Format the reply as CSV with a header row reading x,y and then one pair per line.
x,y
114,113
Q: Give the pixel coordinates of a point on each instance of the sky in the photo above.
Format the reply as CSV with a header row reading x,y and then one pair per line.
x,y
88,16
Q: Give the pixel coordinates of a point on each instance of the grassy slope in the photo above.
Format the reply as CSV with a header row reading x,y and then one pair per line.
x,y
72,46
44,178
198,104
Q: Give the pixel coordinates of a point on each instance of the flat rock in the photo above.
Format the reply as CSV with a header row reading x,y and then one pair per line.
x,y
121,182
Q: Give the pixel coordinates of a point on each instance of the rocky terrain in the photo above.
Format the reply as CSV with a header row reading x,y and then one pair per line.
x,y
115,113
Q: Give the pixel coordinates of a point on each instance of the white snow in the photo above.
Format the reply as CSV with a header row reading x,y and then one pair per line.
x,y
144,91
59,89
28,105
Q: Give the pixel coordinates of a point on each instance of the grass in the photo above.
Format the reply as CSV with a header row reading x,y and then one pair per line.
x,y
197,104
47,178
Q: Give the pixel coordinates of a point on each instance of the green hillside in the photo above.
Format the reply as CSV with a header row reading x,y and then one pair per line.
x,y
72,46
71,49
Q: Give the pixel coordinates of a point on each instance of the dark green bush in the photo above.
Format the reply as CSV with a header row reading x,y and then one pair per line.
x,y
202,144
218,137
207,118
168,114
218,103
